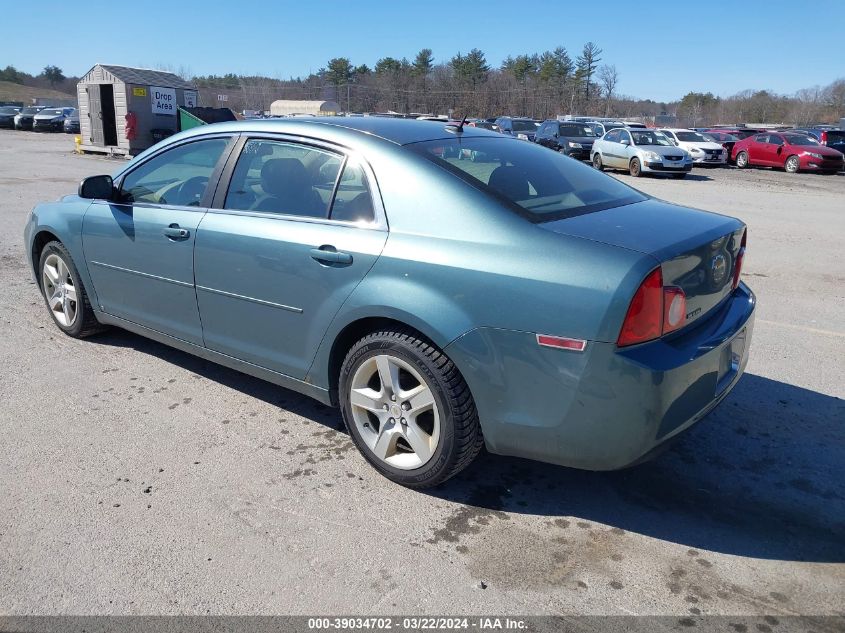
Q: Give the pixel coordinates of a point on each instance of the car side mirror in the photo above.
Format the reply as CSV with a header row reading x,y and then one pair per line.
x,y
625,141
97,188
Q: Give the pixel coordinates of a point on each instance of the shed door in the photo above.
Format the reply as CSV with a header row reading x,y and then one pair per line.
x,y
95,113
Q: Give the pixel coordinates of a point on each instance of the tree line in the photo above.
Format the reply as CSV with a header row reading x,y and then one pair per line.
x,y
537,85
51,76
532,84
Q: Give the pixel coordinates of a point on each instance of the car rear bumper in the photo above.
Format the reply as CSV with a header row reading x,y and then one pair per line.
x,y
604,408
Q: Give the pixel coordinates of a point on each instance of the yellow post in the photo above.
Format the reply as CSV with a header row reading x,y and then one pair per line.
x,y
78,144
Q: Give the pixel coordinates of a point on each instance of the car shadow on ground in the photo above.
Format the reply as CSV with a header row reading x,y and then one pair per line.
x,y
247,385
761,476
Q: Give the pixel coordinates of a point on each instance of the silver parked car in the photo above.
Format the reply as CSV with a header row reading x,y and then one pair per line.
x,y
640,151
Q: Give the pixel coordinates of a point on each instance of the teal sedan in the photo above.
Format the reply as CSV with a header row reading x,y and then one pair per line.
x,y
447,287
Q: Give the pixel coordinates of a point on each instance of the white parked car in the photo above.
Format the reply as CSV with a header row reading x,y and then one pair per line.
x,y
640,151
703,152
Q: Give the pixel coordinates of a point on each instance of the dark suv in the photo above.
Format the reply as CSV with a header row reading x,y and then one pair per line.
x,y
520,128
831,137
567,137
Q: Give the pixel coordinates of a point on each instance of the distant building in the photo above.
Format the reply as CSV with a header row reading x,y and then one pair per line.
x,y
290,107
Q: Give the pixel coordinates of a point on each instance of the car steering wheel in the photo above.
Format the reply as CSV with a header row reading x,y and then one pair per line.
x,y
189,192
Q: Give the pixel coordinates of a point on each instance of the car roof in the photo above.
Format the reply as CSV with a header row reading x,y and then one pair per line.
x,y
394,130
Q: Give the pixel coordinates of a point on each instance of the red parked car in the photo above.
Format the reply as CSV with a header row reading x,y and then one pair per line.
x,y
791,152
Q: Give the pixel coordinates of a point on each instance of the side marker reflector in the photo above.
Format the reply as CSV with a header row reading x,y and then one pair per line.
x,y
572,344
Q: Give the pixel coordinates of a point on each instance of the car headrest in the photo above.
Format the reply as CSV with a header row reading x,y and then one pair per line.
x,y
510,181
283,177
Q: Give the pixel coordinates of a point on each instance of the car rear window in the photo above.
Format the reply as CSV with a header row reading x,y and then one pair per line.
x,y
835,134
524,126
536,183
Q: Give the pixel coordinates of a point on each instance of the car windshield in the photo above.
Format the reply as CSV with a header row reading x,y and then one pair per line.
x,y
800,139
647,137
538,184
30,111
52,112
524,126
576,130
9,110
690,137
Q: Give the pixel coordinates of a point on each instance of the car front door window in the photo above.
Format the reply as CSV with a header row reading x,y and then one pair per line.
x,y
176,177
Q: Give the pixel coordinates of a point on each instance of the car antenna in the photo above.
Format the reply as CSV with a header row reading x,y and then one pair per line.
x,y
459,128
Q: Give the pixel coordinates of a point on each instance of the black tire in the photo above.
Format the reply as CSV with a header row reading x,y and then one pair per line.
x,y
635,168
85,322
742,160
597,162
460,437
792,164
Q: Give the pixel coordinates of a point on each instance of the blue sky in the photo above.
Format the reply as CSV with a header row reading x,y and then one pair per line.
x,y
661,51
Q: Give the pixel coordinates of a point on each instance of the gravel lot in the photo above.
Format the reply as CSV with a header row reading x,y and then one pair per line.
x,y
138,479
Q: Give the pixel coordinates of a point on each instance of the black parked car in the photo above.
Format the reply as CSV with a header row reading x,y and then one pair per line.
x,y
51,119
831,137
24,118
7,116
567,137
524,129
72,122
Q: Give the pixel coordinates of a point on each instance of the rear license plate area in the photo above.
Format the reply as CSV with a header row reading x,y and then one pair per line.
x,y
730,360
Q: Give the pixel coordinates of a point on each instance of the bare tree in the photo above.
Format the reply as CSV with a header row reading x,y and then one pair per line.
x,y
608,78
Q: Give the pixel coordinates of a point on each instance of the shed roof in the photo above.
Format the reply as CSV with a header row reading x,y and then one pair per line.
x,y
146,77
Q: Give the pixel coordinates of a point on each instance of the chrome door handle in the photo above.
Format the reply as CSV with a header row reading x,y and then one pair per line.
x,y
328,254
174,232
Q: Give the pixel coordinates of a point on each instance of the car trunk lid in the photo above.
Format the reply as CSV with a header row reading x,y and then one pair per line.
x,y
695,249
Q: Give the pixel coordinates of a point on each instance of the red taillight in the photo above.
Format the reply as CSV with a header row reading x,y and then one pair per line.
x,y
644,320
655,310
823,138
739,257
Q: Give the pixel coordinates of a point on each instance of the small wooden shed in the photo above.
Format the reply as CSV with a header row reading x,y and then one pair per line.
x,y
110,96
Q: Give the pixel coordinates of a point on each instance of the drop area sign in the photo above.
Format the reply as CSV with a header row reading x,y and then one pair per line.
x,y
163,100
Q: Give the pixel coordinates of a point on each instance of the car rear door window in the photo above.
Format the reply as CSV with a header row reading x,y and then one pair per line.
x,y
283,177
178,176
613,137
353,201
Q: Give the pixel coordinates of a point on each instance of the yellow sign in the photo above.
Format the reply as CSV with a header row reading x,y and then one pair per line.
x,y
139,92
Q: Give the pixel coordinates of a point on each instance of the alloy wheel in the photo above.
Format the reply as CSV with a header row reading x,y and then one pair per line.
x,y
395,412
792,164
741,160
59,290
